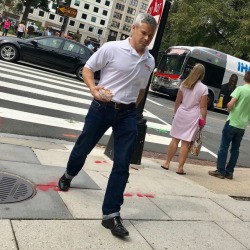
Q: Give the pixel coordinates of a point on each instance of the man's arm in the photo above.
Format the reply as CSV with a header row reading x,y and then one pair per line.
x,y
140,96
231,104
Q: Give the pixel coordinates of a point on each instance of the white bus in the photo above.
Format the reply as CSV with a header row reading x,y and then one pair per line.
x,y
177,61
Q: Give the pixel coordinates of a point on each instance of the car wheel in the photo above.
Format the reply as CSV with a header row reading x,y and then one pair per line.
x,y
79,73
8,53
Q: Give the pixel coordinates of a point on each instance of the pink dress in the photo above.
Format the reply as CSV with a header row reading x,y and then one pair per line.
x,y
186,119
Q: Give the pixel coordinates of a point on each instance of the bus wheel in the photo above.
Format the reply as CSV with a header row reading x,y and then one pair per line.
x,y
210,100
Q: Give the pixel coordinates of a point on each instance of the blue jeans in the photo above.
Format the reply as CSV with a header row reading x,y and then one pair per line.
x,y
234,136
124,124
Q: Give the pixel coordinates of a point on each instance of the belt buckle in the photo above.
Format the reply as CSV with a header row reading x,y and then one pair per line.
x,y
117,105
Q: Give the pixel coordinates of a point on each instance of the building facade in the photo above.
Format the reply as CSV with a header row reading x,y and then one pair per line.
x,y
96,20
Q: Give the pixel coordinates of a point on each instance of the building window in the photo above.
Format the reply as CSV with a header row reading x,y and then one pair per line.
x,y
54,6
144,6
77,3
117,15
100,31
102,22
93,19
86,6
98,1
131,11
91,29
129,19
60,19
41,13
107,3
51,16
72,23
105,12
81,26
134,2
119,6
96,9
115,24
31,11
126,28
84,16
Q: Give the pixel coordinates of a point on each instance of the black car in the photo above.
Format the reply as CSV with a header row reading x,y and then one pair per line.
x,y
49,51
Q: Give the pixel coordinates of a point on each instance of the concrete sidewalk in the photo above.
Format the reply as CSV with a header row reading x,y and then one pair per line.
x,y
162,210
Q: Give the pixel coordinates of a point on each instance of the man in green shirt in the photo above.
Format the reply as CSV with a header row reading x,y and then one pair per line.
x,y
234,129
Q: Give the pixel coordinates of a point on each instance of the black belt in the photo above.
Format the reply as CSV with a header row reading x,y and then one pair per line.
x,y
117,105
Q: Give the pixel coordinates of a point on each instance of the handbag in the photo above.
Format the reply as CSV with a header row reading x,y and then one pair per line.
x,y
195,145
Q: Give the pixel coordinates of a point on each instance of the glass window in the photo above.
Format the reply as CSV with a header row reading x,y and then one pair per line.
x,y
96,9
107,3
51,16
31,11
54,6
86,6
81,26
84,16
41,13
50,42
105,13
93,19
120,6
134,2
117,15
91,29
115,24
77,3
131,11
100,31
72,47
72,23
144,6
102,22
126,28
129,19
61,19
98,1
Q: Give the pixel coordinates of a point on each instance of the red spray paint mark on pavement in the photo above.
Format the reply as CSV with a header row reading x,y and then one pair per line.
x,y
139,195
48,186
99,162
71,135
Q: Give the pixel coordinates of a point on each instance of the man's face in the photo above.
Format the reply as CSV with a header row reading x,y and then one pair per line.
x,y
142,35
233,81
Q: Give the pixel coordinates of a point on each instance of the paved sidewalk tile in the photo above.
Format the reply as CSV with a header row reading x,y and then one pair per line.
x,y
76,234
7,239
186,235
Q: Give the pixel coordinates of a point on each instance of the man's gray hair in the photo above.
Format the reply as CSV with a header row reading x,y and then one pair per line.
x,y
145,18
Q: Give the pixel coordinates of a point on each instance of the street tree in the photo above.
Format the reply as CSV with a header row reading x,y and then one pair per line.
x,y
218,24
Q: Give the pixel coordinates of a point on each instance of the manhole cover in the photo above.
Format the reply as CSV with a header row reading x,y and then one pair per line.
x,y
14,189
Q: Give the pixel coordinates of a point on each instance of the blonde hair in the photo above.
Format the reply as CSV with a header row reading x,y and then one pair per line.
x,y
197,73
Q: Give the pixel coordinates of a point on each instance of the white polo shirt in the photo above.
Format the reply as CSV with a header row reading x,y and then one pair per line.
x,y
123,71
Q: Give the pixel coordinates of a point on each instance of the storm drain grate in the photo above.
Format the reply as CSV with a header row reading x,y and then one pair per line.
x,y
14,189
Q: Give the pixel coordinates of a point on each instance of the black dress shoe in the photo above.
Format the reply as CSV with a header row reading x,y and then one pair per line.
x,y
64,183
116,227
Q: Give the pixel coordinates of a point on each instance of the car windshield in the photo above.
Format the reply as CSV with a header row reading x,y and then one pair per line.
x,y
172,62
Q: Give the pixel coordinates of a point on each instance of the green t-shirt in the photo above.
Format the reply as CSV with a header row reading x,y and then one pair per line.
x,y
239,116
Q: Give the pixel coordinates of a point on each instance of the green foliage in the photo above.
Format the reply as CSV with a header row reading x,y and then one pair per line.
x,y
218,24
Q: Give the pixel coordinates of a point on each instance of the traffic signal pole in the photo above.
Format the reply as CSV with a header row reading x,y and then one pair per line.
x,y
65,18
141,121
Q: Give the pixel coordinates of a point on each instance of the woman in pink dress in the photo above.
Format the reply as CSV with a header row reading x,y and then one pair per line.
x,y
190,107
6,27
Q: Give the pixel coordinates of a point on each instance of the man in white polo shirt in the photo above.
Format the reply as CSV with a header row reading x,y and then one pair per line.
x,y
125,70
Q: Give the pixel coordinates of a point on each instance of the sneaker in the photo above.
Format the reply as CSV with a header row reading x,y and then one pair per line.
x,y
229,176
64,183
216,173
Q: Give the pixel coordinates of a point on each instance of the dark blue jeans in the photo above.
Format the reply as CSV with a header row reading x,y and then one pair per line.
x,y
124,124
234,136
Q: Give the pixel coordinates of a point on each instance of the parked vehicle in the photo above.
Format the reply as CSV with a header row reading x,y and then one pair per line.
x,y
52,52
177,61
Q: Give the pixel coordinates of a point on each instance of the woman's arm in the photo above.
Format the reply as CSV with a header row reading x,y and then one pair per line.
x,y
203,107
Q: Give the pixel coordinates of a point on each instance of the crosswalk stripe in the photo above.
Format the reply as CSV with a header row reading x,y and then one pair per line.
x,y
19,67
47,85
42,77
63,123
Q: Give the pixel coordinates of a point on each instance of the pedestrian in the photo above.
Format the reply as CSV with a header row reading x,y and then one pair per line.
x,y
234,129
47,31
227,89
90,46
30,30
21,29
190,112
77,36
6,26
126,67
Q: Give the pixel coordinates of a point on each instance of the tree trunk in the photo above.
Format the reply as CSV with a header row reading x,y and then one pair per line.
x,y
27,10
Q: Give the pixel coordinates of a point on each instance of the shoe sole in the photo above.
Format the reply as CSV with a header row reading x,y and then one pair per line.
x,y
115,234
220,177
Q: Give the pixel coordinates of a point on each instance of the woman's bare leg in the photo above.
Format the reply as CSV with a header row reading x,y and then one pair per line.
x,y
183,155
172,148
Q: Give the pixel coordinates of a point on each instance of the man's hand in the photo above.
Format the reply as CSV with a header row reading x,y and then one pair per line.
x,y
98,95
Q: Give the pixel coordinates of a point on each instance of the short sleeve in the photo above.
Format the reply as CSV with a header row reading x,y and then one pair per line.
x,y
236,93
